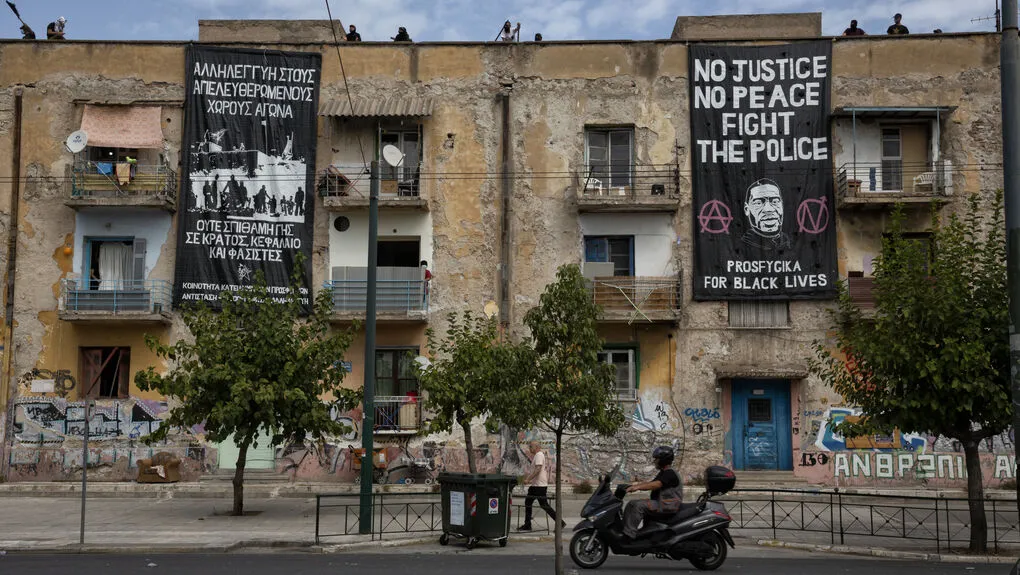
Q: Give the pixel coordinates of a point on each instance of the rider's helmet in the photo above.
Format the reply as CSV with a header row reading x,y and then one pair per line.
x,y
662,455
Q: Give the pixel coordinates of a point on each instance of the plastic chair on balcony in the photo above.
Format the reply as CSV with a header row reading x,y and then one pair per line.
x,y
593,185
925,181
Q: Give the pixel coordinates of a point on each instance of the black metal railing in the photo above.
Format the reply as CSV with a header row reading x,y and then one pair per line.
x,y
942,520
337,515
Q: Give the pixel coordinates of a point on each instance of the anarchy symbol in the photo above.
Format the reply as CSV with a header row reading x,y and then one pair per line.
x,y
813,216
715,218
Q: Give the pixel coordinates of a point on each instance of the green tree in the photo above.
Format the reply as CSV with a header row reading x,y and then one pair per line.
x,y
935,355
469,368
566,387
257,364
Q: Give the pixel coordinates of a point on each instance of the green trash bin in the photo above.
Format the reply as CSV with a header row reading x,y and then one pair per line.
x,y
476,506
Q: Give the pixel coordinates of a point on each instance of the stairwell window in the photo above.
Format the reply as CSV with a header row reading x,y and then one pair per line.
x,y
105,372
609,156
759,314
626,371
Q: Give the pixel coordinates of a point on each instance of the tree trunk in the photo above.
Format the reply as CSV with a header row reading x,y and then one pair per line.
x,y
465,424
976,498
238,481
559,507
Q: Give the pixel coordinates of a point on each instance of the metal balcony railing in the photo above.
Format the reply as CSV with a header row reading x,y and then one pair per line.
x,y
392,296
354,181
637,297
115,296
101,180
634,182
396,414
856,179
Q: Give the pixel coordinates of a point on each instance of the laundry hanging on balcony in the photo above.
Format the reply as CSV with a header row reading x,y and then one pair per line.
x,y
123,126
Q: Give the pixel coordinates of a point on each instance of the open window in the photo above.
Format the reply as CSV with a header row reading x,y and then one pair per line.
x,y
396,390
114,264
626,371
402,180
609,156
105,372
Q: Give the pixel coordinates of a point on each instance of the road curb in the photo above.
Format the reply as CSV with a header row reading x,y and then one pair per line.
x,y
889,553
143,548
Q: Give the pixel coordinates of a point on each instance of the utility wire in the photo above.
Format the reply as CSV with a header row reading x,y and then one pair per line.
x,y
343,73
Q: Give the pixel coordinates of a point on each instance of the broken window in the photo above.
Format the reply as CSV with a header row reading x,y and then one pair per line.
x,y
105,372
609,155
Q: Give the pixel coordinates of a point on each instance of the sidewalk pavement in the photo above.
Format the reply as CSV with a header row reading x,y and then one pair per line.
x,y
191,524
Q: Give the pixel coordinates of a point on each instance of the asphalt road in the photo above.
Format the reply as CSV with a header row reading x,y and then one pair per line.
x,y
488,561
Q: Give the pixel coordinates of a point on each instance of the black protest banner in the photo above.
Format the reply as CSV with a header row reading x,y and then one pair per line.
x,y
764,218
249,157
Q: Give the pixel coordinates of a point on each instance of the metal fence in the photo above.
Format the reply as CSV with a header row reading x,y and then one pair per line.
x,y
101,179
942,520
394,513
631,182
115,296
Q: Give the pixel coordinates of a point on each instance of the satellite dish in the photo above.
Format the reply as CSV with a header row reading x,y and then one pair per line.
x,y
392,154
77,141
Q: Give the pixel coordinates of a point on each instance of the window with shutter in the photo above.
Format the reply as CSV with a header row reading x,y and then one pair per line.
x,y
104,372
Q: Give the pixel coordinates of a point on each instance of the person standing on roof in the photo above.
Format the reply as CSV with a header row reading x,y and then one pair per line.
x,y
353,35
402,35
897,28
853,30
55,30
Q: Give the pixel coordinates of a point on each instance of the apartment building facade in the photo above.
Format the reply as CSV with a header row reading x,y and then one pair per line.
x,y
518,158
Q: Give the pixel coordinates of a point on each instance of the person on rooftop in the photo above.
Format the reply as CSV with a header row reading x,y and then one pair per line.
x,y
509,34
402,35
27,33
853,30
55,30
352,35
897,28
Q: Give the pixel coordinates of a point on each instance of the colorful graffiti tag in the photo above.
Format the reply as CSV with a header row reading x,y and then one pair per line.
x,y
829,440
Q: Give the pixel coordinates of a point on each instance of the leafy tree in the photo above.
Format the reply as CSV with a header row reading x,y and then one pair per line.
x,y
255,365
469,369
567,387
935,355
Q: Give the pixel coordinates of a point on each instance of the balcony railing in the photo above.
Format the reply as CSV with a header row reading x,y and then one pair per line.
x,y
101,297
647,185
108,180
353,183
897,180
399,291
397,414
637,298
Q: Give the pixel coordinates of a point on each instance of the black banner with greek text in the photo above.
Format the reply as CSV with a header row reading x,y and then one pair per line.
x,y
249,171
764,217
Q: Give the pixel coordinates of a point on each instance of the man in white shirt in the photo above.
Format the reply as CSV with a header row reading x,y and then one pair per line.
x,y
538,486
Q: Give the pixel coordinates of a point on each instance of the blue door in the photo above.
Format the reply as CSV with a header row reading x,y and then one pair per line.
x,y
761,434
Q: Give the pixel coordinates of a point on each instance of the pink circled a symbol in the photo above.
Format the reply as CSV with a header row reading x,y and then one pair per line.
x,y
813,216
715,218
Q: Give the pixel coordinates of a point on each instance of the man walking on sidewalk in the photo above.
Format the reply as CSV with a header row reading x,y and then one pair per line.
x,y
538,486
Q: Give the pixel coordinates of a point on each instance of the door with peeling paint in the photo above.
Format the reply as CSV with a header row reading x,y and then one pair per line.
x,y
761,430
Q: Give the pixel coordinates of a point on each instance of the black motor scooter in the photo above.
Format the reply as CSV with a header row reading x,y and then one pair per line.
x,y
697,533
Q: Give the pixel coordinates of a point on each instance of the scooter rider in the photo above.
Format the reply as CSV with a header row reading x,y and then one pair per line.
x,y
666,497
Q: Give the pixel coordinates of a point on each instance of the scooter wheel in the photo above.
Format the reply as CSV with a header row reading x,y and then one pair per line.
x,y
719,550
588,558
444,539
471,542
503,542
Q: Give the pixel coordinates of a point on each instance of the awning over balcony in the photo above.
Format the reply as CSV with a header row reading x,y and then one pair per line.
x,y
376,107
893,112
123,126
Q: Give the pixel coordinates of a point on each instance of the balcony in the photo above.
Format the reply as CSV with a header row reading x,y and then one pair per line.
x,y
109,184
107,301
637,299
347,187
402,294
397,414
648,188
881,184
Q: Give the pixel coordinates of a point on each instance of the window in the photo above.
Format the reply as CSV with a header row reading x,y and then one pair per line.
x,y
626,376
923,242
101,154
619,250
398,253
759,314
892,159
759,410
105,372
402,179
609,155
114,263
396,390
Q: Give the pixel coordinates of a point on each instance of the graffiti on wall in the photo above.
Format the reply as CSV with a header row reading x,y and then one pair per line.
x,y
56,381
905,465
52,420
651,414
827,439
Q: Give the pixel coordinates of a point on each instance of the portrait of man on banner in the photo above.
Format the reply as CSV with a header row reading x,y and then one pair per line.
x,y
763,208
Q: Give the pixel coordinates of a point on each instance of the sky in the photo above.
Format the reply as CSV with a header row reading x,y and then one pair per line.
x,y
477,20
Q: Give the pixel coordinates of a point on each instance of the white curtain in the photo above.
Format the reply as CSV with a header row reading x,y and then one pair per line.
x,y
114,265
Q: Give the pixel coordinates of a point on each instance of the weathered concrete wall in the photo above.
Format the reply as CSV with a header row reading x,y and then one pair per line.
x,y
556,90
748,26
270,31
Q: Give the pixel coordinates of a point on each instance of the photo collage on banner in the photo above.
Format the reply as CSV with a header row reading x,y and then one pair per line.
x,y
764,212
249,171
